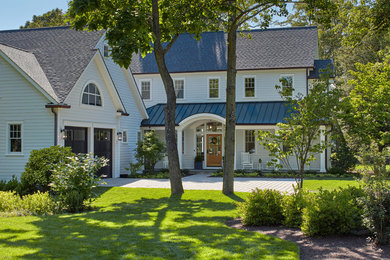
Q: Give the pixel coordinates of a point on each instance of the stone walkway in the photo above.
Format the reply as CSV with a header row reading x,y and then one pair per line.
x,y
201,181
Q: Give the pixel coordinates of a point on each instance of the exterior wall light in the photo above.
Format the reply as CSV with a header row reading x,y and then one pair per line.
x,y
119,136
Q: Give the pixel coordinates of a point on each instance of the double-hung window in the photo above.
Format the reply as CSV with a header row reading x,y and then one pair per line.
x,y
145,89
179,88
287,83
15,138
249,84
213,88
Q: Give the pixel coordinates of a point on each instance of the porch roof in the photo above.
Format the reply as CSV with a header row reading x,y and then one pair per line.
x,y
248,113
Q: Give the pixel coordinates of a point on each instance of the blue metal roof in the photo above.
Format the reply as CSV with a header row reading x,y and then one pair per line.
x,y
248,113
322,67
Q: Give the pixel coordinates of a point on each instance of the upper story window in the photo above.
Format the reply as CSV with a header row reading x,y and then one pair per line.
x,y
249,87
145,89
179,88
15,138
106,51
249,140
91,95
213,88
287,83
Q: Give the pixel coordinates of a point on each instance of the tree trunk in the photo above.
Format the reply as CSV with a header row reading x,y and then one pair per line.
x,y
301,172
228,165
170,135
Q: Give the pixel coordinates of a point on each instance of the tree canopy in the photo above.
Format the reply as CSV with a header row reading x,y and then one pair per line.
x,y
52,18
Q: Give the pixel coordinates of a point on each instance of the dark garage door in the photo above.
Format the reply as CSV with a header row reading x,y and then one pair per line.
x,y
77,139
103,147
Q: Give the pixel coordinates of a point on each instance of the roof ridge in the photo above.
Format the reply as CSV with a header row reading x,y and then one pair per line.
x,y
205,103
267,29
36,29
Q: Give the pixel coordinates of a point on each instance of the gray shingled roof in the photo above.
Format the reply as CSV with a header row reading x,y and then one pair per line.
x,y
62,53
294,47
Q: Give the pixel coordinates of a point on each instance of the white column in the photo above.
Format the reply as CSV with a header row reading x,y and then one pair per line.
x,y
277,160
180,145
235,150
322,155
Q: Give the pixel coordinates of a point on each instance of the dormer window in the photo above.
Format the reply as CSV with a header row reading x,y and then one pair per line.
x,y
91,96
106,52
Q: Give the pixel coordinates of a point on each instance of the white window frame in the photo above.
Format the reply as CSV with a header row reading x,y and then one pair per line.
x,y
8,146
150,88
208,88
254,87
101,96
184,88
293,82
125,135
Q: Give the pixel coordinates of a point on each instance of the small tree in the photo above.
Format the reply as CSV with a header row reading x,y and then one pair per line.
x,y
297,136
149,151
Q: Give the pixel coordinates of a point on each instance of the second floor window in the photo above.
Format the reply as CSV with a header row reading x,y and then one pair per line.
x,y
179,88
287,85
250,87
91,95
213,88
106,51
145,89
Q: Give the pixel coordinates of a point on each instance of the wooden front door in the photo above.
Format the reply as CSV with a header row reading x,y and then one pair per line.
x,y
214,150
77,139
103,147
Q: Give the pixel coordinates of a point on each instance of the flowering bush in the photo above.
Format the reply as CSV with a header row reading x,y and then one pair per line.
x,y
73,182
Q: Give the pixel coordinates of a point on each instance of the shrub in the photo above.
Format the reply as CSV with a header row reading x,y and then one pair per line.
x,y
73,182
262,207
332,212
39,168
149,151
11,185
293,206
38,203
376,208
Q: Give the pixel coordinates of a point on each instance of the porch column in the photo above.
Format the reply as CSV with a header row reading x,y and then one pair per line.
x,y
322,155
180,145
235,150
277,160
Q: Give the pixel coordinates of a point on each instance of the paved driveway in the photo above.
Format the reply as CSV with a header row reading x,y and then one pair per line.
x,y
201,181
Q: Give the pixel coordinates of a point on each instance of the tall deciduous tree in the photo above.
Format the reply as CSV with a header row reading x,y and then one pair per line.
x,y
144,26
241,14
54,17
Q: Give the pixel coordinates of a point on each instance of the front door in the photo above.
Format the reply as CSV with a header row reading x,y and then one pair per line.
x,y
77,139
103,147
214,150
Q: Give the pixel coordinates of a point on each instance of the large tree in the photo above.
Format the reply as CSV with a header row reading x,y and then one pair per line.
x,y
242,14
52,18
146,26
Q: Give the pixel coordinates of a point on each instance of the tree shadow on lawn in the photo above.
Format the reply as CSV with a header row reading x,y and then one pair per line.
x,y
145,228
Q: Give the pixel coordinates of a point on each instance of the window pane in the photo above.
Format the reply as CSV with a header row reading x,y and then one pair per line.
x,y
145,89
85,99
98,101
179,88
249,87
91,95
213,88
124,136
249,140
15,138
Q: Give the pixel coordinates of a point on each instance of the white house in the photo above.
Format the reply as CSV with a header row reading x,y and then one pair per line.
x,y
199,73
60,87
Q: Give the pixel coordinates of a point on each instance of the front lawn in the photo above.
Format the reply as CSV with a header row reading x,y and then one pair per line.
x,y
314,184
142,224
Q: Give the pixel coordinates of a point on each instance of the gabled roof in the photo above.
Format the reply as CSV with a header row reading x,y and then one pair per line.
x,y
248,113
322,67
61,53
27,62
295,47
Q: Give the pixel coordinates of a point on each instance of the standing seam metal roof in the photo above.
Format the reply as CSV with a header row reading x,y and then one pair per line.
x,y
248,113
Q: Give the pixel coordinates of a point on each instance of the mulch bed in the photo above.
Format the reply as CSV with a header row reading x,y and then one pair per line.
x,y
329,247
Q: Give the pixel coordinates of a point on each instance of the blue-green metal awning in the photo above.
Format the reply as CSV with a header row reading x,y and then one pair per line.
x,y
248,113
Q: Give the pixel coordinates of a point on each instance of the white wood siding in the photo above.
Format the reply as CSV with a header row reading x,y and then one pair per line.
x,y
196,85
21,102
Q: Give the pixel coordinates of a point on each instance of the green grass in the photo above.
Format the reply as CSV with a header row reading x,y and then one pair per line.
x,y
314,184
142,224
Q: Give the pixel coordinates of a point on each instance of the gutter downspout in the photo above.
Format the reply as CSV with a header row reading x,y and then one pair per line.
x,y
307,81
55,126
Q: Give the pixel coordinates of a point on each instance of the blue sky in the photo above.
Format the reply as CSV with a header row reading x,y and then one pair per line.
x,y
14,13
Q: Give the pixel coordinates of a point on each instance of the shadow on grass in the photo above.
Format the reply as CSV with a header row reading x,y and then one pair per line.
x,y
141,227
